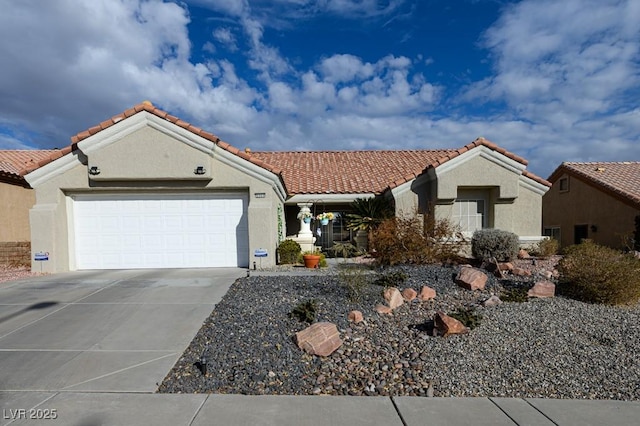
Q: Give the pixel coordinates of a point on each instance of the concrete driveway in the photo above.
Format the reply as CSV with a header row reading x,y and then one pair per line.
x,y
103,331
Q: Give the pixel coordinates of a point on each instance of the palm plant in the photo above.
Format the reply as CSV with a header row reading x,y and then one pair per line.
x,y
367,213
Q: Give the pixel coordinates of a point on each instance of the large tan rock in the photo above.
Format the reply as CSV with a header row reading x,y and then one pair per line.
x,y
355,316
393,297
521,272
542,289
384,310
321,338
426,293
523,254
447,325
471,279
408,294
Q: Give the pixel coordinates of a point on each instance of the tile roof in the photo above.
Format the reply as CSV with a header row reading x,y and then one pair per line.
x,y
310,172
619,179
14,163
340,172
149,107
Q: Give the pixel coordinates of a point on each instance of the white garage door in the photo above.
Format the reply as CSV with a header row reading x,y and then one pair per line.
x,y
160,231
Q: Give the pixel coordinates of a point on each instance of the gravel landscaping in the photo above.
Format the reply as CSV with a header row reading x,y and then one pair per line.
x,y
547,348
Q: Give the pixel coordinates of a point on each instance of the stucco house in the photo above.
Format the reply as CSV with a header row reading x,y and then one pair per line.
x,y
16,199
598,201
145,189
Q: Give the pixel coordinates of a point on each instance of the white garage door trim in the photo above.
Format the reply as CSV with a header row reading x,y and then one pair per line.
x,y
159,230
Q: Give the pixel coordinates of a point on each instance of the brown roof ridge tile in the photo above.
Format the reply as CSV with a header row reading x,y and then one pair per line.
x,y
150,108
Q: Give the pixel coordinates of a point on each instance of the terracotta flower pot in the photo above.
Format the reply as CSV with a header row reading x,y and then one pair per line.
x,y
311,260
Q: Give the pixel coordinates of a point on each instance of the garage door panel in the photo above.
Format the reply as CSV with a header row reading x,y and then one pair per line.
x,y
161,231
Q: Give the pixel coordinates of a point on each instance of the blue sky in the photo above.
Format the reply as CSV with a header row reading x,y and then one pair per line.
x,y
549,80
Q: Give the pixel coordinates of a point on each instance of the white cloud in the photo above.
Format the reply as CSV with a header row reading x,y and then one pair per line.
x,y
225,37
565,70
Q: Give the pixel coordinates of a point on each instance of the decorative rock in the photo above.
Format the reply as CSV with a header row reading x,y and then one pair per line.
x,y
523,254
355,316
471,279
382,309
447,325
542,289
492,301
426,293
521,272
321,338
408,294
505,266
393,297
547,274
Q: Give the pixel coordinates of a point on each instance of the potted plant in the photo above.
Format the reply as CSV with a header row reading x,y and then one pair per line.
x,y
311,259
324,218
306,216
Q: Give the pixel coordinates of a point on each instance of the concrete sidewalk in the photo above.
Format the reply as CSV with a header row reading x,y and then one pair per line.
x,y
88,409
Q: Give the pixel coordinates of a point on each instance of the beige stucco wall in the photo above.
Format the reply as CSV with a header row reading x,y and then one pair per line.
x,y
515,203
51,223
584,204
15,202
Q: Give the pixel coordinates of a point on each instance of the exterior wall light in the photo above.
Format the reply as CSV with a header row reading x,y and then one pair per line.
x,y
94,170
199,170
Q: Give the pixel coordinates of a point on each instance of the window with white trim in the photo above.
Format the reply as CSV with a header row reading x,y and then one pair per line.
x,y
553,232
470,214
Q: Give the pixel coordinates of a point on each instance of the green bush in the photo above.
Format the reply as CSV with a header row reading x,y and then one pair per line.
x,y
467,316
354,279
305,311
546,248
344,250
514,294
391,279
598,274
288,251
487,244
415,240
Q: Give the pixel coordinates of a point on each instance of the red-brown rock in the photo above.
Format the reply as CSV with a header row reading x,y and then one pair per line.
x,y
523,254
393,297
355,316
384,310
505,266
447,325
521,272
426,293
321,338
471,279
408,294
542,289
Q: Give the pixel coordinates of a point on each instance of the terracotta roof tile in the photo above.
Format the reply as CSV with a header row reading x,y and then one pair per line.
x,y
315,172
15,163
619,179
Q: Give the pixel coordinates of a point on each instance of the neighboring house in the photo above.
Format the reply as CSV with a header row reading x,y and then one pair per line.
x,y
145,189
16,199
598,201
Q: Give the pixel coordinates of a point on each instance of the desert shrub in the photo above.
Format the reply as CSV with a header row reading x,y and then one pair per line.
x,y
288,251
598,274
546,248
467,316
487,244
354,279
345,250
305,311
415,240
391,279
514,294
